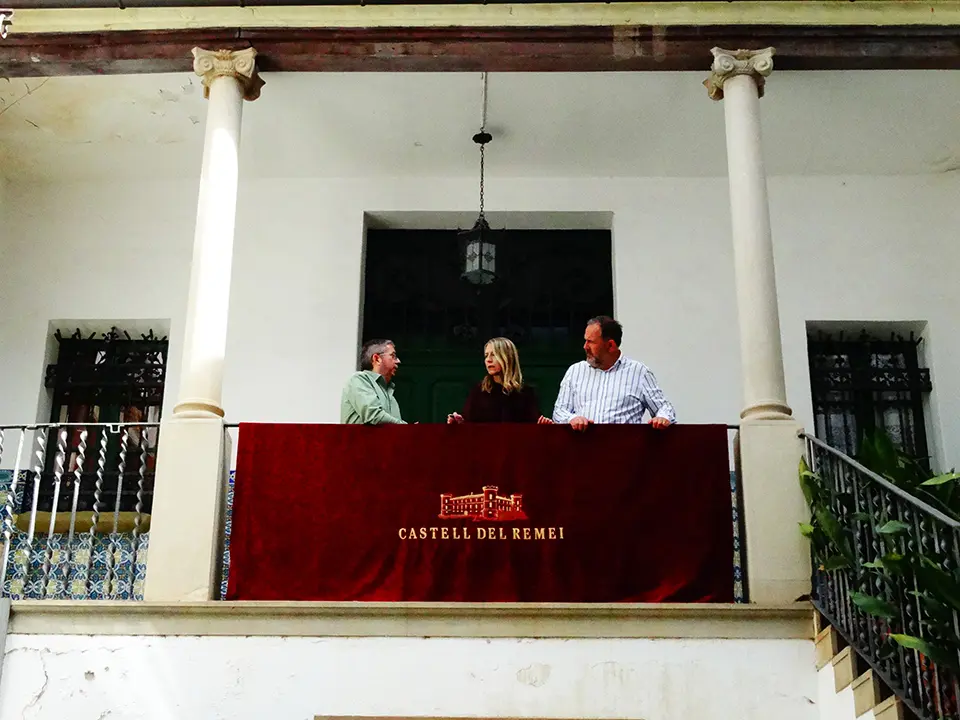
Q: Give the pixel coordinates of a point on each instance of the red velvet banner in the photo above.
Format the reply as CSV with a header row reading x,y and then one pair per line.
x,y
491,513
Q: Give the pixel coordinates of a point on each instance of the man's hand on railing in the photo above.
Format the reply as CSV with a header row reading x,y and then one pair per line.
x,y
544,421
660,423
579,423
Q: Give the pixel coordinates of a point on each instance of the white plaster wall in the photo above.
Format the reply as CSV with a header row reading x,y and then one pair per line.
x,y
671,264
88,251
203,678
835,705
872,249
857,248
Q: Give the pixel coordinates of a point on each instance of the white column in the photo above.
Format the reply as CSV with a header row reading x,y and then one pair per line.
x,y
778,556
186,522
738,79
769,449
228,78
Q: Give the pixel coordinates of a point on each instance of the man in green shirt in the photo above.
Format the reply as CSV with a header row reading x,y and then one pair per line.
x,y
368,397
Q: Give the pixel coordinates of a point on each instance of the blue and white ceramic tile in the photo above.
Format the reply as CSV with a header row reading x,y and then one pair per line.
x,y
91,567
738,595
227,529
140,566
18,568
102,567
6,478
80,560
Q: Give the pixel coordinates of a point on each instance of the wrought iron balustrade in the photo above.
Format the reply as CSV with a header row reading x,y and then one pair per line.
x,y
76,509
890,592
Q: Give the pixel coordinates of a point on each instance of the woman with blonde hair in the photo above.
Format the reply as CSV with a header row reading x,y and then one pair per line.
x,y
501,396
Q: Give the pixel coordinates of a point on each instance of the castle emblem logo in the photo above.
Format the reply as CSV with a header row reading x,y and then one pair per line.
x,y
486,506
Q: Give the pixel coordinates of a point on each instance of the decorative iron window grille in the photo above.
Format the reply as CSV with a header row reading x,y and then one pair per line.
x,y
109,372
105,378
865,383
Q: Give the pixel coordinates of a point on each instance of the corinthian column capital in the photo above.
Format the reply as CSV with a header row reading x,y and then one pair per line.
x,y
238,64
730,63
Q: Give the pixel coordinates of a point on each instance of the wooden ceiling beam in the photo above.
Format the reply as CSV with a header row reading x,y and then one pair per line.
x,y
567,49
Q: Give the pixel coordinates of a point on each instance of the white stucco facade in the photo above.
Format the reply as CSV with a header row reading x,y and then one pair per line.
x,y
290,678
854,249
857,242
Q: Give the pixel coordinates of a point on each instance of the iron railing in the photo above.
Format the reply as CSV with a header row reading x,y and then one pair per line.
x,y
76,509
881,600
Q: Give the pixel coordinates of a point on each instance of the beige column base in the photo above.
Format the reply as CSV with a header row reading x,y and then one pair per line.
x,y
198,408
778,556
185,532
767,410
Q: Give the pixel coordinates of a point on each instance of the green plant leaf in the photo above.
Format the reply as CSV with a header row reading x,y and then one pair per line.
x,y
835,562
941,479
893,527
943,586
895,563
913,473
929,497
834,530
809,483
881,563
806,529
939,655
939,613
819,539
862,516
879,453
875,606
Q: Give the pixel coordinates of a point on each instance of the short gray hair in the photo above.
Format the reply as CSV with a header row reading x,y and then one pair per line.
x,y
371,348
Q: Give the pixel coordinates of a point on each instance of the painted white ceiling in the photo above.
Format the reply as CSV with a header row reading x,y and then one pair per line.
x,y
544,124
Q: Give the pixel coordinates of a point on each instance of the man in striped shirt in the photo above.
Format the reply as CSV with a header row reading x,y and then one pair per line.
x,y
609,387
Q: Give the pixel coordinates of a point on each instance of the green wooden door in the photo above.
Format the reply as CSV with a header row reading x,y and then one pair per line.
x,y
433,383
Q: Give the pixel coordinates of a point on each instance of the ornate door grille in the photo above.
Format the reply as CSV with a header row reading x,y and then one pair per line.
x,y
866,383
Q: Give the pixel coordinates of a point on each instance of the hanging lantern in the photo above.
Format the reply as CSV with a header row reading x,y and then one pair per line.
x,y
480,253
480,242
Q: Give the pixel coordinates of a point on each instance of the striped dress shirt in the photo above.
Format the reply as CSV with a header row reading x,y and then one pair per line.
x,y
619,395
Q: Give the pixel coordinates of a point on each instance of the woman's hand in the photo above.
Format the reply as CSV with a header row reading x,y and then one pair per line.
x,y
454,419
544,421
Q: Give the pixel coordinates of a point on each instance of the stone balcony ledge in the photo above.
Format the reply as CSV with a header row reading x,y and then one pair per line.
x,y
464,620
